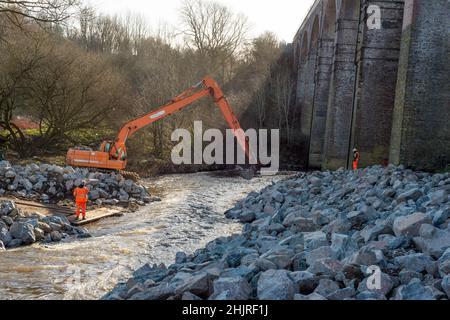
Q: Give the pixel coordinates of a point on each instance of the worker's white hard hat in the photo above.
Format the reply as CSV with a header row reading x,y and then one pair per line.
x,y
355,150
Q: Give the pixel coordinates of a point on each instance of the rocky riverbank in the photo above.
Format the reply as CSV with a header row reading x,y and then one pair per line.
x,y
19,228
379,233
51,183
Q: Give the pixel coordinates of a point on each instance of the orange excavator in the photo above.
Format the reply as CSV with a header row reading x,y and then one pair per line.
x,y
112,155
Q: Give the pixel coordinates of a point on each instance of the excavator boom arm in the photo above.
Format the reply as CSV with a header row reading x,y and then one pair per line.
x,y
210,87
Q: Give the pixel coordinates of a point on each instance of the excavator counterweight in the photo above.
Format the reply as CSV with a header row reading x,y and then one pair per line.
x,y
112,155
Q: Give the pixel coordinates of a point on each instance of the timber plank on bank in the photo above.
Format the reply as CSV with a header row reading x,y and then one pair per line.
x,y
55,210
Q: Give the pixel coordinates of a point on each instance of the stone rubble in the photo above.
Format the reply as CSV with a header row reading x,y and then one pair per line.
x,y
51,183
318,236
19,229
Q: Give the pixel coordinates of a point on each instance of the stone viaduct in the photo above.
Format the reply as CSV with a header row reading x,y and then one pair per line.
x,y
382,89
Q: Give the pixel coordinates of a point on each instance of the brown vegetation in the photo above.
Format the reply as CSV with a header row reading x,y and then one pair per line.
x,y
80,76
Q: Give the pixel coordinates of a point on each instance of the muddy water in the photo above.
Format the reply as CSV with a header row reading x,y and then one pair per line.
x,y
190,215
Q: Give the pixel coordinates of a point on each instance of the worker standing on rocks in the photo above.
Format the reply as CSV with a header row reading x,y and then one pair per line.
x,y
81,199
356,158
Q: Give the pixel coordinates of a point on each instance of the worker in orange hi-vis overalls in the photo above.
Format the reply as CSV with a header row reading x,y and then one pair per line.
x,y
81,198
356,158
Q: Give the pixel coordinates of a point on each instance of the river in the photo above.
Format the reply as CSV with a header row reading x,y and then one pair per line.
x,y
190,215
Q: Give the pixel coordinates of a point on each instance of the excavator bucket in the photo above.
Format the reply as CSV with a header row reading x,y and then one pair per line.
x,y
247,173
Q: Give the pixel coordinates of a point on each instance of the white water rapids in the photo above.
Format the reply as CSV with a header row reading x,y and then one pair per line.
x,y
190,215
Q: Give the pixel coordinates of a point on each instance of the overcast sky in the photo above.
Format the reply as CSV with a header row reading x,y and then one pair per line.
x,y
283,17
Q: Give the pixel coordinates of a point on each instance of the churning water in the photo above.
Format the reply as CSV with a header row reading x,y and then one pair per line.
x,y
190,215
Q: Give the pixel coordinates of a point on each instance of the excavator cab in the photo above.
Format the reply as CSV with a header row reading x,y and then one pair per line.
x,y
106,146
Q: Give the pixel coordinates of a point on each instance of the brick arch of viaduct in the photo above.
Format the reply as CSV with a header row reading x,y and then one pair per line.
x,y
355,85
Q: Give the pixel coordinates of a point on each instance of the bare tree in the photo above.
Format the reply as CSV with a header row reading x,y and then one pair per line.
x,y
104,70
39,11
214,31
282,87
19,58
71,91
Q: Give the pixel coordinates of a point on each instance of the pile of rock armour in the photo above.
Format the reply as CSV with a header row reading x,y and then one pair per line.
x,y
51,183
18,228
321,236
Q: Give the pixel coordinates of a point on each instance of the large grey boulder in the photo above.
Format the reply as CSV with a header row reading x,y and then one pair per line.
x,y
24,232
326,287
353,272
39,233
311,297
339,225
343,246
56,236
136,289
405,276
370,295
322,217
6,207
371,233
410,225
438,197
320,254
10,174
187,296
160,292
265,264
413,195
8,220
236,288
45,227
444,263
433,241
446,285
314,240
418,262
55,226
305,282
304,225
342,294
14,243
94,194
5,235
292,241
327,267
357,218
415,290
200,285
246,272
299,262
367,256
27,184
440,216
180,257
275,285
